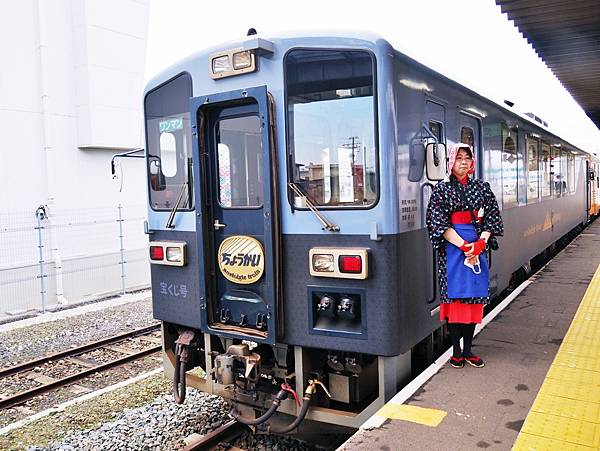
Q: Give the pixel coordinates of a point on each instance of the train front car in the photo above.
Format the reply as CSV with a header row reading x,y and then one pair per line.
x,y
274,228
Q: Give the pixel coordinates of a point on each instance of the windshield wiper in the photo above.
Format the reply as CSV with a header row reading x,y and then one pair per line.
x,y
169,224
328,225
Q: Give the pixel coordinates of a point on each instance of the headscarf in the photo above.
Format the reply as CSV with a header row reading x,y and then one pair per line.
x,y
452,157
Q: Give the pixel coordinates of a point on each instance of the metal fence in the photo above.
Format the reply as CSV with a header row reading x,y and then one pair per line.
x,y
51,256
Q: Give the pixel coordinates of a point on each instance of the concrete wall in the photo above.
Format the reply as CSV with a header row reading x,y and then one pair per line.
x,y
70,97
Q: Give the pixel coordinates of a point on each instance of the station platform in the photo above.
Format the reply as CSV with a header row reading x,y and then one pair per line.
x,y
540,387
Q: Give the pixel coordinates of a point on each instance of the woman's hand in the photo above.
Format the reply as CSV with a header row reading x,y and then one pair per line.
x,y
466,247
478,248
473,261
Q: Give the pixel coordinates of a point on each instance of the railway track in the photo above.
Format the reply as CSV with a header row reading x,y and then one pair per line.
x,y
76,358
220,438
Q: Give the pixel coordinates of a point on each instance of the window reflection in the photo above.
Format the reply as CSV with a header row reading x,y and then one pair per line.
x,y
571,172
533,170
556,171
467,136
239,161
546,169
509,168
436,129
168,133
168,155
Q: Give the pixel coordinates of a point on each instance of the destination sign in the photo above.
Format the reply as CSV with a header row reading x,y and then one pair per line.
x,y
170,125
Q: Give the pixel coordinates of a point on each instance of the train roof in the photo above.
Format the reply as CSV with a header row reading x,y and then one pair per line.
x,y
337,38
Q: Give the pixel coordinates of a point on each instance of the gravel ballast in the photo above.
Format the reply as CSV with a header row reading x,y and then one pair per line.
x,y
139,416
31,342
142,416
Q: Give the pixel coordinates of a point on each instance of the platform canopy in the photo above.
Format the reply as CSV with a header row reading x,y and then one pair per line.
x,y
566,35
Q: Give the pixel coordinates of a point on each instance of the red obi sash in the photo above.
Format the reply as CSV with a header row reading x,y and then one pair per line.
x,y
463,217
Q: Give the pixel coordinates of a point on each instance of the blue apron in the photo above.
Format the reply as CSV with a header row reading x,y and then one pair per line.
x,y
462,282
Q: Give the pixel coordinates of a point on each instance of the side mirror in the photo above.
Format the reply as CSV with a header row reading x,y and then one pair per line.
x,y
435,161
416,161
157,178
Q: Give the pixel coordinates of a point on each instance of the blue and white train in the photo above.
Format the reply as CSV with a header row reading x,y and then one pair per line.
x,y
288,178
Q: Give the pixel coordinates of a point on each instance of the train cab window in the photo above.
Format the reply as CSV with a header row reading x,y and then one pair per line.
x,y
168,137
331,123
467,136
533,169
509,168
239,161
546,169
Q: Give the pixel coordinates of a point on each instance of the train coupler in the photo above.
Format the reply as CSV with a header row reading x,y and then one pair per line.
x,y
182,355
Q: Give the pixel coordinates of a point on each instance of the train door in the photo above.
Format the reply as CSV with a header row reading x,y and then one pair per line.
x,y
237,227
470,133
435,118
588,189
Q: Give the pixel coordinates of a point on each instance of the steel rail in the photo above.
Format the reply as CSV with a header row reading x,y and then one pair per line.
x,y
5,372
226,433
26,395
21,397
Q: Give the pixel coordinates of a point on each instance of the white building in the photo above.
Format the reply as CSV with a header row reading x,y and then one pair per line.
x,y
71,82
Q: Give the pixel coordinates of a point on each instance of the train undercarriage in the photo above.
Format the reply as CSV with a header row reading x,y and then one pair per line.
x,y
264,383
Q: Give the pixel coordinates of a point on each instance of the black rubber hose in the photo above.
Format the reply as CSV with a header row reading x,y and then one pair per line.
x,y
265,416
179,380
294,424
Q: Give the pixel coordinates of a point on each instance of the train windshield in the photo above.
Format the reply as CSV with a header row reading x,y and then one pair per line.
x,y
168,137
331,126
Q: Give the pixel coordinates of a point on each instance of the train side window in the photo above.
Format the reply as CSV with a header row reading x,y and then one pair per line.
x,y
437,129
564,189
509,168
546,170
168,140
570,172
556,166
533,169
467,136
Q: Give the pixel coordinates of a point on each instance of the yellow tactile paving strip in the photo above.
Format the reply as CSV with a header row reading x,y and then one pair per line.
x,y
566,413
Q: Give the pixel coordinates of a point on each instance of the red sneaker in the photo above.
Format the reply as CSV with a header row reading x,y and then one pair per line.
x,y
475,361
457,362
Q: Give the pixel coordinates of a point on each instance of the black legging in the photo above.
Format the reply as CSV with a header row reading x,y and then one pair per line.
x,y
458,330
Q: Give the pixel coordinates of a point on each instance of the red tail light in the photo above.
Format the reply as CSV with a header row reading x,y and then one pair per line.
x,y
350,264
157,253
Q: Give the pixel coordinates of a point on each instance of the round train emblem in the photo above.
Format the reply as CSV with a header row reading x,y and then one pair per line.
x,y
241,259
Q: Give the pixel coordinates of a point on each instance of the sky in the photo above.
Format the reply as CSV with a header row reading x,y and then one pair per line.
x,y
470,41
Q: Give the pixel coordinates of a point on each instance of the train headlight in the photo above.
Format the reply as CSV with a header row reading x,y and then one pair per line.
x,y
339,262
323,263
232,62
242,60
174,254
221,65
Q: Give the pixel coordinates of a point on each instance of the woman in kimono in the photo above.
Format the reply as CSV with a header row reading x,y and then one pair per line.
x,y
463,219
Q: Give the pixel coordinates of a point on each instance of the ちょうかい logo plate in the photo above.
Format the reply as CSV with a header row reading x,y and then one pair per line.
x,y
241,259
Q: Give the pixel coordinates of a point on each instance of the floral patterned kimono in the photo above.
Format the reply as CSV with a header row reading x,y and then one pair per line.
x,y
446,199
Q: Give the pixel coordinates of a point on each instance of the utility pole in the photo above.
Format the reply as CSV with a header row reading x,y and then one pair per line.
x,y
353,144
